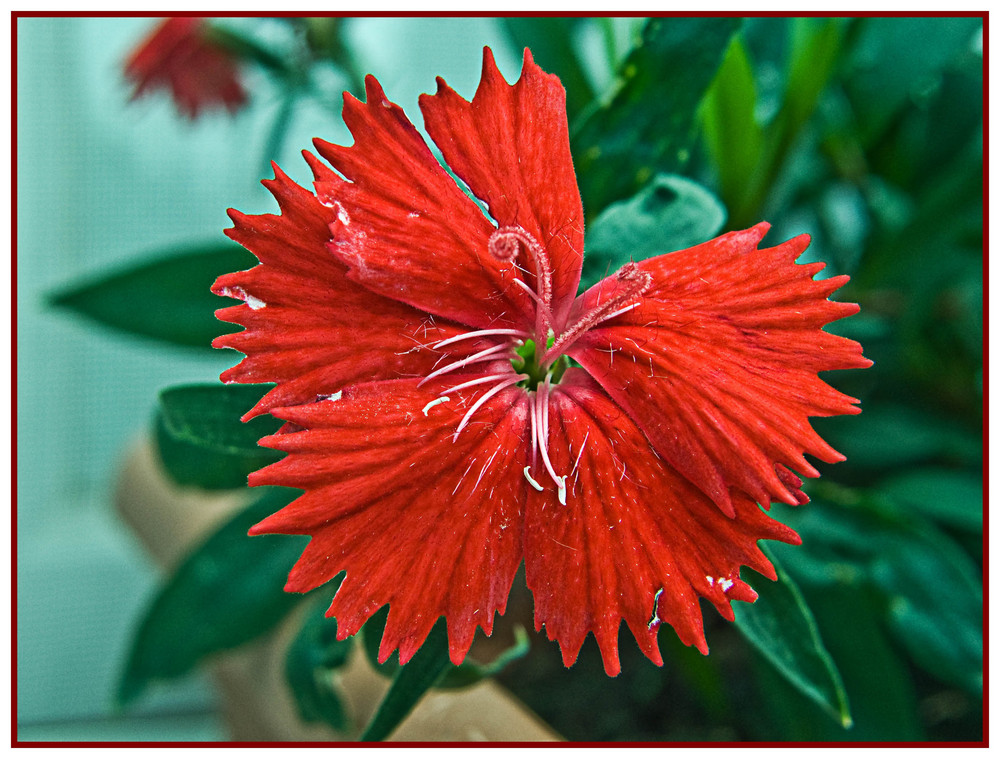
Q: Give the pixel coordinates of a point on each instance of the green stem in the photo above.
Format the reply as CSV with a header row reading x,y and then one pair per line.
x,y
412,681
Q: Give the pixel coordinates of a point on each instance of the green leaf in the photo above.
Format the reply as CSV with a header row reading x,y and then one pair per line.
x,y
815,50
934,604
732,135
951,497
883,699
648,125
371,637
669,214
202,441
310,664
167,299
227,592
465,674
550,40
469,672
892,434
411,682
781,627
929,586
895,59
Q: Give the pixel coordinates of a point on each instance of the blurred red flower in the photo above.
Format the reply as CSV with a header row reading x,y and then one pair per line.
x,y
454,408
179,56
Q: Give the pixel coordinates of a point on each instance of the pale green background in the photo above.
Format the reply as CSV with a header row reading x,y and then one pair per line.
x,y
101,182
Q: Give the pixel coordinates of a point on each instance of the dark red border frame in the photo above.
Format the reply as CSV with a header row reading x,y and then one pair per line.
x,y
16,15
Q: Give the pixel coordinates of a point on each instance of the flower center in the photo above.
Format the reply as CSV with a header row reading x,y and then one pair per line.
x,y
528,363
536,364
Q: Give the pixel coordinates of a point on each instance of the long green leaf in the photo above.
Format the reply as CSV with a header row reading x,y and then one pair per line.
x,y
411,682
202,441
934,604
648,125
815,52
465,674
168,299
669,214
226,592
929,586
781,627
951,497
732,135
312,658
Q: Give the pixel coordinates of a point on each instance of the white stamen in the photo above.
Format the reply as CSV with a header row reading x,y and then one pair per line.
x,y
482,399
462,478
485,467
582,446
534,430
435,402
480,381
621,311
542,420
483,354
479,333
531,480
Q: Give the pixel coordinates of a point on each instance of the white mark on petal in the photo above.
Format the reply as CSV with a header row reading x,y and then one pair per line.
x,y
342,216
711,580
435,402
725,584
654,620
333,397
240,294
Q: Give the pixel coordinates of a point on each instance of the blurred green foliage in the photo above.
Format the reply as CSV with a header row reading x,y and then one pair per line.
x,y
866,133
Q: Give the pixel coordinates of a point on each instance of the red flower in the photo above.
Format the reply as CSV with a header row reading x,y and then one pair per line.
x,y
436,425
178,56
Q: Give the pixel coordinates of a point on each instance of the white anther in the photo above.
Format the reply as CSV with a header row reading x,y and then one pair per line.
x,y
531,480
435,402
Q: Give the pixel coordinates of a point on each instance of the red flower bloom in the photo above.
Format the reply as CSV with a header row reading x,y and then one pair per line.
x,y
436,425
178,56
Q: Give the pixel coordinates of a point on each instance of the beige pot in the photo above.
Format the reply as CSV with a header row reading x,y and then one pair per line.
x,y
256,703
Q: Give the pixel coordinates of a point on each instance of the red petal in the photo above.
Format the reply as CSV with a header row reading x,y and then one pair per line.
x,y
718,365
425,522
309,328
511,146
405,228
631,526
